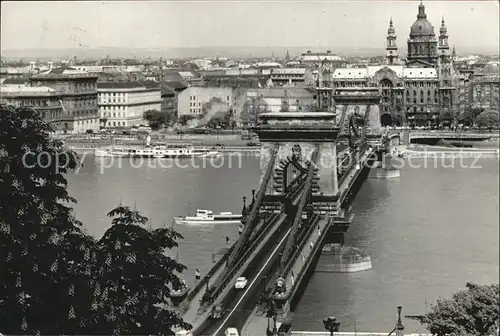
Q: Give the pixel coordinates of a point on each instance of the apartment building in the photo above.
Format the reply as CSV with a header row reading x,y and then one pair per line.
x,y
122,104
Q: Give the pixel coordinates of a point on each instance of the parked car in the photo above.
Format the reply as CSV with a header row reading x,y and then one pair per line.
x,y
241,283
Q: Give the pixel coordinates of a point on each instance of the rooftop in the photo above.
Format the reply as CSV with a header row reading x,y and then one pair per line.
x,y
22,90
139,85
64,72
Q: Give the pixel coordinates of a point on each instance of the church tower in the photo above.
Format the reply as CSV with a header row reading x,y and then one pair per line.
x,y
391,50
443,47
422,43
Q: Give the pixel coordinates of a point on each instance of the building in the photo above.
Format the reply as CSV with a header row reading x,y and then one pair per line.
x,y
191,100
77,92
45,100
235,78
315,60
168,100
426,90
291,77
122,104
484,88
251,102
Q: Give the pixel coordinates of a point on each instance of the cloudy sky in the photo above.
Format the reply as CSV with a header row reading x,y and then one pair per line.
x,y
164,24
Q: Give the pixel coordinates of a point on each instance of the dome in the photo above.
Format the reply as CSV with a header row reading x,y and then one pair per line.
x,y
422,27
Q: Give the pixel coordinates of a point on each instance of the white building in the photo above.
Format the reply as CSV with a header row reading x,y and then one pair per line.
x,y
191,100
122,104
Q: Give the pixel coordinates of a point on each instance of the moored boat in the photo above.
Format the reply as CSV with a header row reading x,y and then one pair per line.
x,y
180,151
208,217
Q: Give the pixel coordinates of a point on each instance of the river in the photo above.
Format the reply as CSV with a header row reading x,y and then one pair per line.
x,y
428,232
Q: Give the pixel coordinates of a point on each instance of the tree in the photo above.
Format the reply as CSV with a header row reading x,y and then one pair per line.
x,y
285,106
37,230
134,300
488,119
183,119
473,311
207,108
56,279
155,118
251,110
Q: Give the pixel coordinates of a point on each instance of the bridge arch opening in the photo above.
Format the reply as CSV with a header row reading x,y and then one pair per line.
x,y
386,119
291,168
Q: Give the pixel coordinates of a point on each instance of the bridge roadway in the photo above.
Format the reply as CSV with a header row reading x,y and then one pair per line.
x,y
256,321
241,302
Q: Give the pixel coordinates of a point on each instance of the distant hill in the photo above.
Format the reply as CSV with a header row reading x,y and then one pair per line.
x,y
231,52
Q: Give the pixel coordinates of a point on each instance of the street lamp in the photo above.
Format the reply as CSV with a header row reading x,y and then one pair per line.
x,y
331,324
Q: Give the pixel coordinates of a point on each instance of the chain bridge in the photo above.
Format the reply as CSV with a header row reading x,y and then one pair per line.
x,y
312,165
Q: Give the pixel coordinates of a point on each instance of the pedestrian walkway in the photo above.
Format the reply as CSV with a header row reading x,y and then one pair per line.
x,y
194,306
256,324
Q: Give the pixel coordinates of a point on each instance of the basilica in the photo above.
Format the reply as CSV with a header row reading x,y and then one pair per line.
x,y
425,89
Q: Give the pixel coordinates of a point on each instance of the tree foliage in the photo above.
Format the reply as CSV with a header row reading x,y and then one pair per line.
x,y
155,118
217,103
55,278
251,110
285,105
183,119
488,118
473,311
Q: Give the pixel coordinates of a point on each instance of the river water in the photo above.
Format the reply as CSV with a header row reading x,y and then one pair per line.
x,y
428,232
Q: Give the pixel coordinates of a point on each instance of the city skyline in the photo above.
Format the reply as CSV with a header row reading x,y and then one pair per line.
x,y
187,24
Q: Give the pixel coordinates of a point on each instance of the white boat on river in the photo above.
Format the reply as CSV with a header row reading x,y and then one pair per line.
x,y
207,217
158,152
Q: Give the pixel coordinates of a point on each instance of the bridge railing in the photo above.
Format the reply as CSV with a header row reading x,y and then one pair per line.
x,y
206,278
343,177
269,222
250,221
307,233
244,258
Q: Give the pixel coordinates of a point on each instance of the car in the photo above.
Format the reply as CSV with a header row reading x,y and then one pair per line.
x,y
241,283
231,332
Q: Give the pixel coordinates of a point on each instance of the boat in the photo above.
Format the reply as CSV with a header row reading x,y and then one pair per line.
x,y
174,151
180,151
208,217
114,152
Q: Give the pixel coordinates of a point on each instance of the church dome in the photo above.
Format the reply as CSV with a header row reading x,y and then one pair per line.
x,y
422,26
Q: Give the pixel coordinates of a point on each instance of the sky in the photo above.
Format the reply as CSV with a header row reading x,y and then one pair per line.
x,y
169,24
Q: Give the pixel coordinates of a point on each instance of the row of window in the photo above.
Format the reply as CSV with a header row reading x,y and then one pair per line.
x,y
85,86
116,123
228,98
408,100
119,114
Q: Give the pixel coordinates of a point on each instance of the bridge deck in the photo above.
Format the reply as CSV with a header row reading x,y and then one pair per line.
x,y
241,302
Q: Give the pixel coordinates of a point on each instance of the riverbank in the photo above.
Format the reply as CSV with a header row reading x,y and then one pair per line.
x,y
442,152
